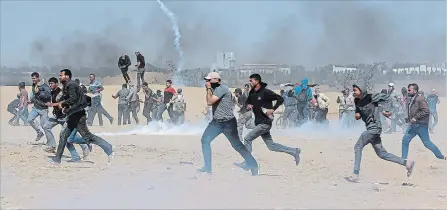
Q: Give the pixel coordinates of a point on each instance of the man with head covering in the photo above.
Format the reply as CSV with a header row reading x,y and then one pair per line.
x,y
367,110
303,94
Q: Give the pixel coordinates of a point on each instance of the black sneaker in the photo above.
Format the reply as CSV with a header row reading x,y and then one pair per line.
x,y
297,156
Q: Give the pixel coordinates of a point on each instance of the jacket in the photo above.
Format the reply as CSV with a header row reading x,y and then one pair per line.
x,y
303,86
56,96
418,110
42,97
263,98
124,63
367,107
73,98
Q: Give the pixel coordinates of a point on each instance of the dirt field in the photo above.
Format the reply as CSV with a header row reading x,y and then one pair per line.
x,y
156,169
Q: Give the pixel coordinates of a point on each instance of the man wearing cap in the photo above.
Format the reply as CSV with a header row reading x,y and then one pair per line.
x,y
220,98
141,64
395,107
245,115
433,101
260,100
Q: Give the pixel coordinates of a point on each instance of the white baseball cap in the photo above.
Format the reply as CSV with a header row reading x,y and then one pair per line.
x,y
213,75
391,84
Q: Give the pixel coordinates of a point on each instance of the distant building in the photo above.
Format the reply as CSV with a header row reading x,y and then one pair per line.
x,y
337,69
224,61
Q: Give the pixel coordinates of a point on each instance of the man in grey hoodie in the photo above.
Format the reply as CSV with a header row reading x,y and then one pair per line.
x,y
366,108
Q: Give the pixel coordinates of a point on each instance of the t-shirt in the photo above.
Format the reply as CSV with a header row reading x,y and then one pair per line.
x,y
122,95
223,109
140,58
168,94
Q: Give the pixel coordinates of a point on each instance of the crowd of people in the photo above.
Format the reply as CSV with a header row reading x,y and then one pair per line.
x,y
74,107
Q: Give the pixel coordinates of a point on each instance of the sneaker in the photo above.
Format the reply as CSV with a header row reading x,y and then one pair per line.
x,y
353,178
39,136
242,165
90,147
204,170
50,149
111,121
54,160
410,170
85,153
297,156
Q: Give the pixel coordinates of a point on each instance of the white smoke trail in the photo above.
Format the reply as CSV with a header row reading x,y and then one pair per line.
x,y
173,20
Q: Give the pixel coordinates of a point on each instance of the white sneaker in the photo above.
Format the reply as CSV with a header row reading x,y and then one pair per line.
x,y
111,156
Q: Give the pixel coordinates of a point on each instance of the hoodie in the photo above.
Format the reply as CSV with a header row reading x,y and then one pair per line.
x,y
263,98
367,107
304,85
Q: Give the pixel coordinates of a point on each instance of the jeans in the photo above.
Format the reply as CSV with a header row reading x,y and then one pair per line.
x,y
375,140
22,114
303,112
122,113
348,118
97,108
422,132
49,125
290,115
229,129
78,121
78,139
42,113
263,130
433,118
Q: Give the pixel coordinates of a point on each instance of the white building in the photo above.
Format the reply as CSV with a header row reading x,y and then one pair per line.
x,y
336,69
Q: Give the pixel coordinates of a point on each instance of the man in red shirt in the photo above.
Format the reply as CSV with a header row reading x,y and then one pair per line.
x,y
169,92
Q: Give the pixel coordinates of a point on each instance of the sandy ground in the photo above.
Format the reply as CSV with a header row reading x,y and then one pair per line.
x,y
148,169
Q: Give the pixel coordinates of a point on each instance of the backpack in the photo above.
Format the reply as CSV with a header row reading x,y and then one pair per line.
x,y
179,105
302,96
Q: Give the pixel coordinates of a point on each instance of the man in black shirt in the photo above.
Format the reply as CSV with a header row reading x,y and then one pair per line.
x,y
260,100
245,115
140,69
123,64
73,104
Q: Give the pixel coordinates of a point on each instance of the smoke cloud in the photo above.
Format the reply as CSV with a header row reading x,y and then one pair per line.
x,y
314,33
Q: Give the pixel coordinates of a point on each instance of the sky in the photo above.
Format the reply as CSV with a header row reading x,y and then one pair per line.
x,y
89,33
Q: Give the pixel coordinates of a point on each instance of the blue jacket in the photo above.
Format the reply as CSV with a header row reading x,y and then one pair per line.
x,y
303,85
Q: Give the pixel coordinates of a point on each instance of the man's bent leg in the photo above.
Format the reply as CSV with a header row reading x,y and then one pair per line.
x,y
91,138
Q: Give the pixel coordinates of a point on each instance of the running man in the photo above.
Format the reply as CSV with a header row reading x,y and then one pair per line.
x,y
59,119
433,101
41,94
260,100
219,97
366,108
418,118
73,104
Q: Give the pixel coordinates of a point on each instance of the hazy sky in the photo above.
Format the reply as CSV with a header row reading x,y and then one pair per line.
x,y
300,32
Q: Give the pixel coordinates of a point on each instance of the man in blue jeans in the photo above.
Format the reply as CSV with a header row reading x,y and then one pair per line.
x,y
41,94
418,118
220,98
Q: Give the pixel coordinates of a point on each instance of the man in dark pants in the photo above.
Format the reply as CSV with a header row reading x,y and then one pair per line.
x,y
122,104
12,108
123,64
260,100
220,98
141,65
73,104
418,118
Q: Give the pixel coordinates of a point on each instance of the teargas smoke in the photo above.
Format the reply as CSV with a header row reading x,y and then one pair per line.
x,y
173,18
